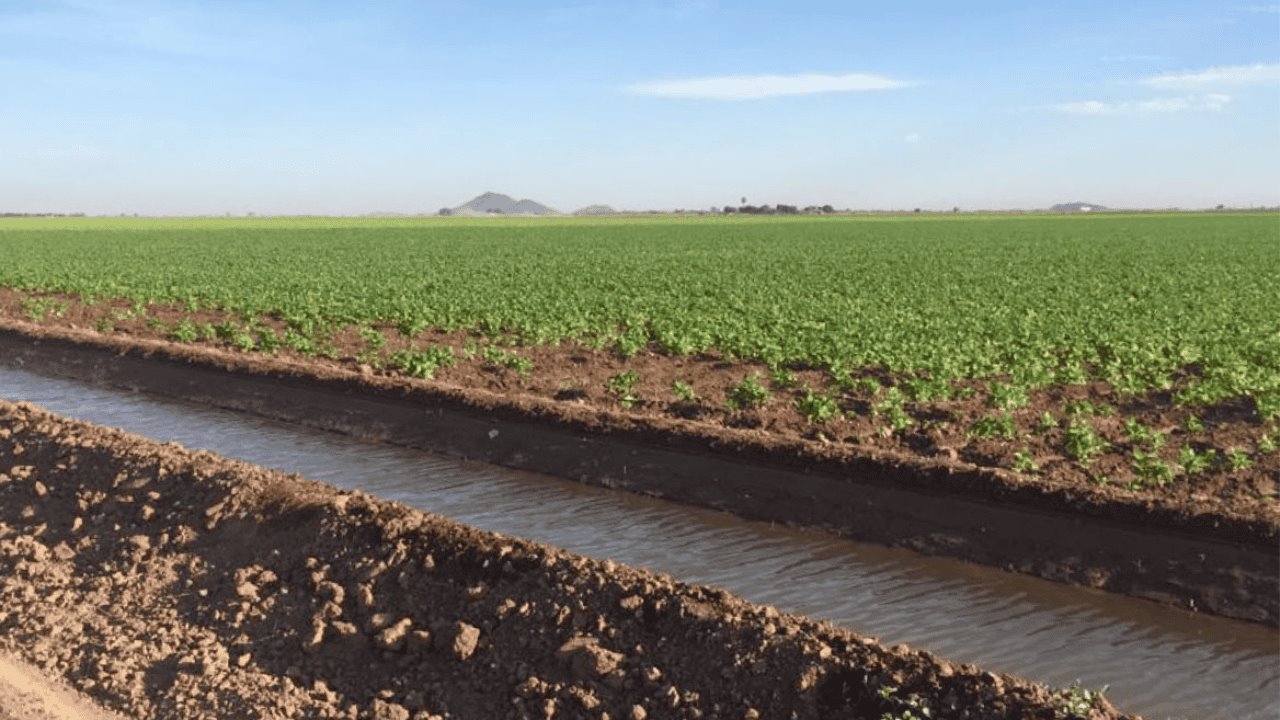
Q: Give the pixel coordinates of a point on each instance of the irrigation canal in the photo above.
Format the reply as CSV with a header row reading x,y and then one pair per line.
x,y
1160,662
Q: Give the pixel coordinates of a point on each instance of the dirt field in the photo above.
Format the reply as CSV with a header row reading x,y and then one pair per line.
x,y
166,583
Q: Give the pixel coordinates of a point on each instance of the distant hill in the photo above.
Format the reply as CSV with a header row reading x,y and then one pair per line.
x,y
492,203
1078,207
596,210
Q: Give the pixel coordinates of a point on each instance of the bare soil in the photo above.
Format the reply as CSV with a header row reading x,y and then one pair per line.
x,y
27,694
176,584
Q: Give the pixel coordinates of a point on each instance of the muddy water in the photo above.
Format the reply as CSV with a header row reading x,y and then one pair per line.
x,y
1160,662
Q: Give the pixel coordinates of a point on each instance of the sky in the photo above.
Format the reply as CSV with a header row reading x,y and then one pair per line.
x,y
320,107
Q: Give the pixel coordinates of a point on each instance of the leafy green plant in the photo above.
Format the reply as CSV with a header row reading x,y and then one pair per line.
x,y
1140,433
268,340
911,707
684,392
423,363
1266,443
623,387
891,408
1081,440
1088,407
1046,422
816,407
1193,462
38,308
747,394
184,332
1238,460
990,426
1194,424
1024,462
1268,405
1149,469
1078,702
507,359
372,338
782,378
927,389
1005,396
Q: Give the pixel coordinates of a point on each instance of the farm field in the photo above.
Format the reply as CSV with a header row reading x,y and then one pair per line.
x,y
1135,353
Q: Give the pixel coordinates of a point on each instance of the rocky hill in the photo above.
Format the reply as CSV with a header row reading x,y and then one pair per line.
x,y
491,203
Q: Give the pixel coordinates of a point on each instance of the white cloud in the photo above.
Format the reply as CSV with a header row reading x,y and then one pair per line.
x,y
912,137
1217,77
1087,107
756,87
1211,101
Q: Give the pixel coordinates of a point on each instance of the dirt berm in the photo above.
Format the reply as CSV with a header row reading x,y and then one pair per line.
x,y
1199,556
168,583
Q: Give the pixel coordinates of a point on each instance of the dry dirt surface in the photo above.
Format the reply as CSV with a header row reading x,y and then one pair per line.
x,y
167,583
26,694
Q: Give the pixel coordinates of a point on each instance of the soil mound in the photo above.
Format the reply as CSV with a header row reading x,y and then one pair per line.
x,y
170,583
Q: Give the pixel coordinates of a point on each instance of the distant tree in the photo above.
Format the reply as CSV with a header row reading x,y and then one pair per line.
x,y
828,209
916,210
445,212
955,209
744,199
1221,207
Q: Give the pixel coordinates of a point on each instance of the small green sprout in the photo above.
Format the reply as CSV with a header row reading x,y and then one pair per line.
x,y
816,407
623,386
747,394
1023,462
684,392
1239,460
1193,462
1082,442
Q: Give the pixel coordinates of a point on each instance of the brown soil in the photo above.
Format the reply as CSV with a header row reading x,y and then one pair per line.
x,y
27,694
167,583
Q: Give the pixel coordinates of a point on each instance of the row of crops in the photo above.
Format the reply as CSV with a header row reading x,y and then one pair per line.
x,y
1183,307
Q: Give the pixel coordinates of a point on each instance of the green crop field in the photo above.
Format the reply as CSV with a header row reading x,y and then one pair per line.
x,y
1127,299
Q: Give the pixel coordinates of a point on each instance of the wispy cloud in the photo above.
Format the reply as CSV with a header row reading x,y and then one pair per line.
x,y
1211,102
1216,77
912,138
757,87
1269,9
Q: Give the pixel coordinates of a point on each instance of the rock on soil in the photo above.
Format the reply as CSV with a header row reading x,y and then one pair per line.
x,y
176,584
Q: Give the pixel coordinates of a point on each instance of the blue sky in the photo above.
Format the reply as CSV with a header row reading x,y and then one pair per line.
x,y
171,107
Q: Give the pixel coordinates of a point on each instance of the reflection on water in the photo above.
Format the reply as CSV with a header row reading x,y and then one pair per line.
x,y
1159,661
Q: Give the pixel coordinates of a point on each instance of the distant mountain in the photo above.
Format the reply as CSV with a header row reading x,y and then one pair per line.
x,y
596,210
492,203
1078,207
